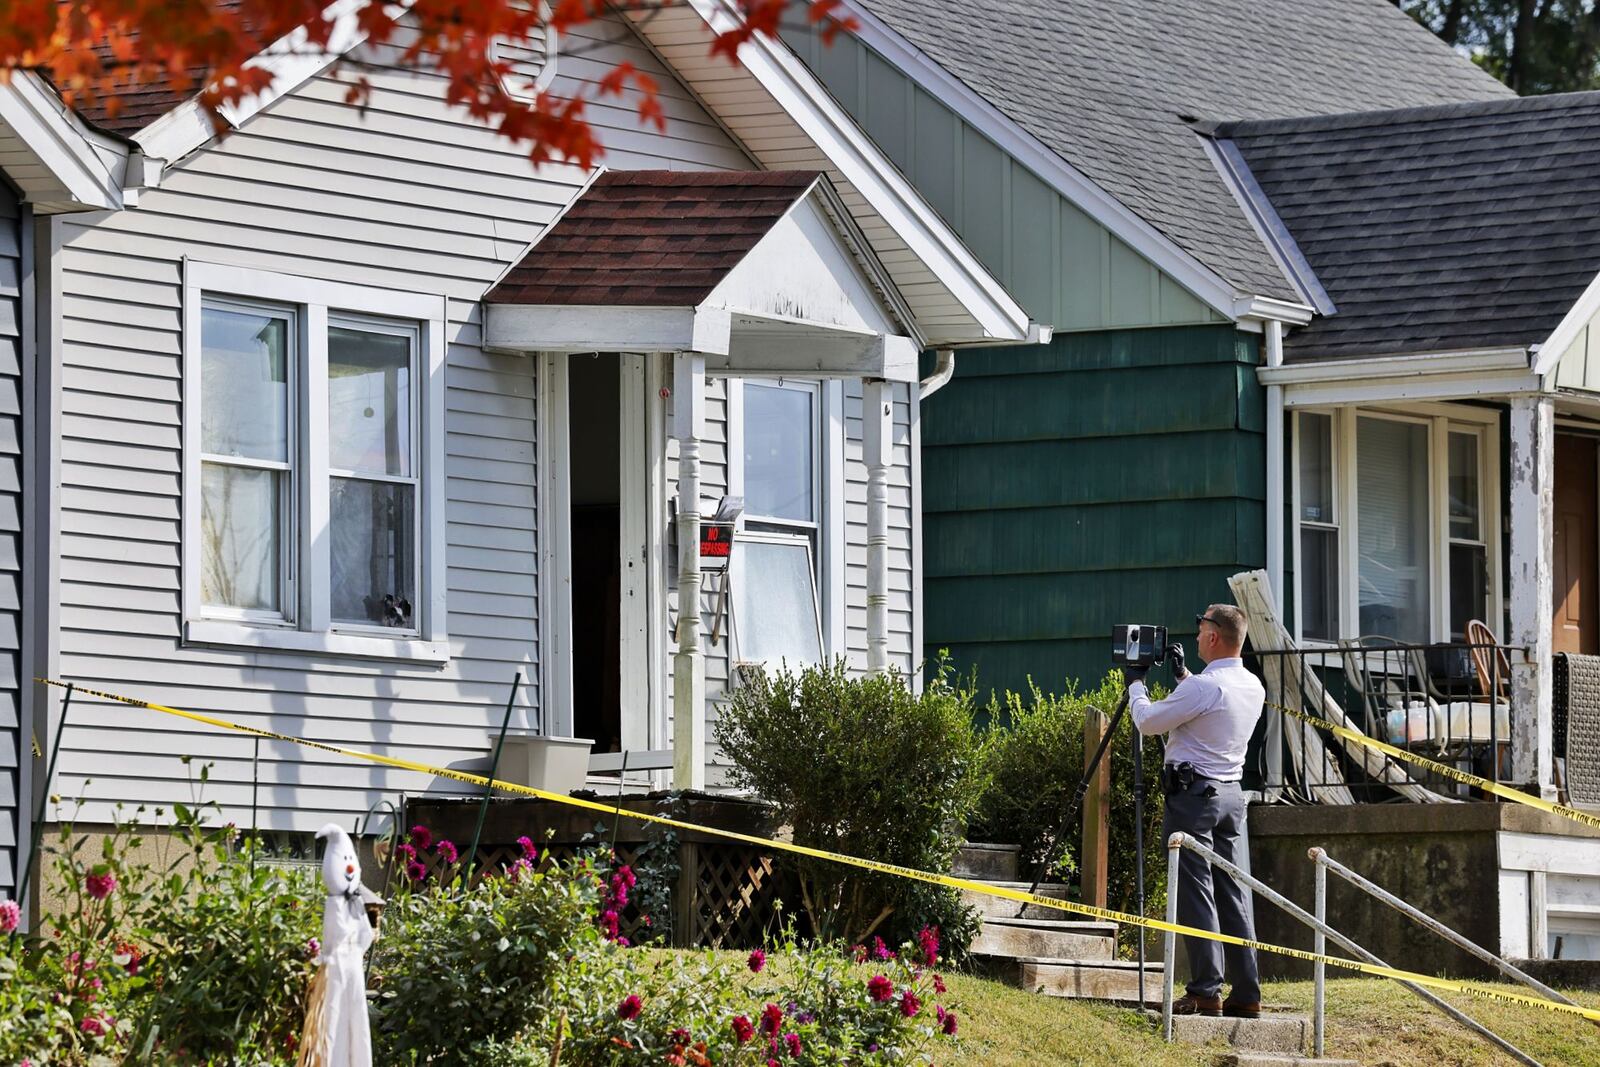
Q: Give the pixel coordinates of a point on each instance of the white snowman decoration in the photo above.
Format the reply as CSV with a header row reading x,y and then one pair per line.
x,y
337,1033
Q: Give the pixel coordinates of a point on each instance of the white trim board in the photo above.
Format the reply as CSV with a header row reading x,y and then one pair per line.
x,y
1548,354
1028,150
63,145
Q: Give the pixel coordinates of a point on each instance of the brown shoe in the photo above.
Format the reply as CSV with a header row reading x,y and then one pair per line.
x,y
1189,1004
1241,1009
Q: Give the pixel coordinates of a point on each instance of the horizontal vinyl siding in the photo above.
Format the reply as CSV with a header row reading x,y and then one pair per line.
x,y
12,737
902,527
407,195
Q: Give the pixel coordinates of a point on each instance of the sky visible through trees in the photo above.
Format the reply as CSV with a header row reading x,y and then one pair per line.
x,y
1534,46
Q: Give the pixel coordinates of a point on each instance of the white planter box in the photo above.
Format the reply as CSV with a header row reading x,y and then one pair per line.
x,y
554,764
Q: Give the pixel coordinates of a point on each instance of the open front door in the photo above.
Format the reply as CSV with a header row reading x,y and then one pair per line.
x,y
1575,552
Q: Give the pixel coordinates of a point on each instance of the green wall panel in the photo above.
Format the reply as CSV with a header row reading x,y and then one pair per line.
x,y
1109,476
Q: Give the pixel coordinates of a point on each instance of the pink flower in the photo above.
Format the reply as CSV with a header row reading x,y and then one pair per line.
x,y
94,1025
416,871
406,853
758,960
421,836
623,942
880,951
928,942
10,916
742,1030
949,1023
127,956
909,1004
771,1019
859,952
630,1007
609,924
880,988
529,853
447,850
519,868
626,874
100,884
938,984
313,948
792,1043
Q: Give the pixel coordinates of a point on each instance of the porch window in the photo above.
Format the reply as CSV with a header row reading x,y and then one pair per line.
x,y
776,608
1394,516
313,517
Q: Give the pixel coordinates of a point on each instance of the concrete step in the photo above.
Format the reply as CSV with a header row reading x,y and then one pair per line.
x,y
1078,979
987,862
1283,1035
1265,1059
1046,938
1003,908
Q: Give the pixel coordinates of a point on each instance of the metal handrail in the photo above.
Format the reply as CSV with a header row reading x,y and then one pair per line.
x,y
1181,841
1326,863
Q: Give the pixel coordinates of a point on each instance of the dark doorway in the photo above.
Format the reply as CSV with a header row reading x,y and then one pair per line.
x,y
594,447
1576,542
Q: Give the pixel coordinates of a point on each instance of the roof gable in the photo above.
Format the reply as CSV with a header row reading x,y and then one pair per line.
x,y
1107,86
1436,229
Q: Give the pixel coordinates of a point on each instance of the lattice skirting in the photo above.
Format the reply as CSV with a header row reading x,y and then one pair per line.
x,y
1577,724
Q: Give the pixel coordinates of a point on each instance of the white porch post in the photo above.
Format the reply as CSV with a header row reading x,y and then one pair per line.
x,y
689,664
1532,464
877,417
1274,532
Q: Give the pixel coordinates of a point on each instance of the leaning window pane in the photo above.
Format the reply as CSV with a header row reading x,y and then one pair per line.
x,y
240,553
1464,499
1392,523
244,384
775,604
369,402
1319,583
373,550
778,451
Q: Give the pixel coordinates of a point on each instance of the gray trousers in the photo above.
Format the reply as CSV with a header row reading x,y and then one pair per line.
x,y
1214,814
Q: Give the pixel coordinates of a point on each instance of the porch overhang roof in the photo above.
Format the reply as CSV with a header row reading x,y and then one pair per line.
x,y
760,272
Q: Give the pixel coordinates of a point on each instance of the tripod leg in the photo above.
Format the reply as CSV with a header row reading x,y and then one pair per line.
x,y
1138,844
1077,797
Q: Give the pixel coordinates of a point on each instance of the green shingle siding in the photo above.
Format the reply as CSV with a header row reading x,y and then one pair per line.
x,y
1110,476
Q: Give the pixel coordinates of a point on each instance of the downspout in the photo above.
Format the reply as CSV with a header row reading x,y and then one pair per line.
x,y
1275,493
877,415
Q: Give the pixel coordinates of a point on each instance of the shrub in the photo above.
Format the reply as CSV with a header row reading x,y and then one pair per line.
x,y
861,766
1033,760
458,966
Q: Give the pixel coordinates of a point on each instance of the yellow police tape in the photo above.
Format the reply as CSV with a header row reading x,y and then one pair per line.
x,y
1495,995
1443,769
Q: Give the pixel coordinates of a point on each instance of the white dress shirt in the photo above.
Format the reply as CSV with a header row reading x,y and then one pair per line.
x,y
1209,717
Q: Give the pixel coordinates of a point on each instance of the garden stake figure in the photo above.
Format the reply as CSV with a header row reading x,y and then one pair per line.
x,y
337,1033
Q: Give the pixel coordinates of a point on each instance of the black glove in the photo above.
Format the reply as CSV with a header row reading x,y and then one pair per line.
x,y
1175,654
1131,674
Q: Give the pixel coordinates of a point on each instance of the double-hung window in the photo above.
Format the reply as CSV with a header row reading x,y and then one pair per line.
x,y
776,606
313,497
1394,514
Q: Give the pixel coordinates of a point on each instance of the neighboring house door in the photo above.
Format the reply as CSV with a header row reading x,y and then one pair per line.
x,y
1576,537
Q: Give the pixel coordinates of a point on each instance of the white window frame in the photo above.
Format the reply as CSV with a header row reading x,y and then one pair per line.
x,y
1442,420
308,628
828,530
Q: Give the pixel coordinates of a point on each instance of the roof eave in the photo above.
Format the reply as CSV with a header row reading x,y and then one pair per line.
x,y
85,167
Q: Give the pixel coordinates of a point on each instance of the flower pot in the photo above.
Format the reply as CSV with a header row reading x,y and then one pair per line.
x,y
554,764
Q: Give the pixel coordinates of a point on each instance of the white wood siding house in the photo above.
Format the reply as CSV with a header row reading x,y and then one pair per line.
x,y
300,485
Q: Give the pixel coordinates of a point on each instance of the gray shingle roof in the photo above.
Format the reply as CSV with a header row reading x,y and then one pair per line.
x,y
1436,229
1103,83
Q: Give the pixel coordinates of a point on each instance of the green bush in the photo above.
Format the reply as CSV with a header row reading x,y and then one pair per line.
x,y
1032,761
861,766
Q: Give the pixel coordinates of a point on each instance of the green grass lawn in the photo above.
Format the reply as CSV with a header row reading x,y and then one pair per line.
x,y
1372,1021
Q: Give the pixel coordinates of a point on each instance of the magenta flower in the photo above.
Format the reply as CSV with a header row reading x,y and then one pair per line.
x,y
313,948
880,951
880,988
416,871
609,924
938,984
519,868
100,884
406,854
792,1043
447,850
928,942
529,852
95,1025
421,836
10,916
742,1030
758,960
910,1004
771,1019
949,1023
630,1007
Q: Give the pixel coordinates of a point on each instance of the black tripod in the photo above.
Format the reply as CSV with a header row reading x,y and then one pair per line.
x,y
1138,818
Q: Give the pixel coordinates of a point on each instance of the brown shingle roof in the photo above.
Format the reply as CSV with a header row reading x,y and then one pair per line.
x,y
652,238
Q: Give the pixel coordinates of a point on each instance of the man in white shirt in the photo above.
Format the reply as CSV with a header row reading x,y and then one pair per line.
x,y
1208,719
